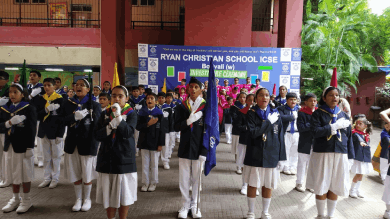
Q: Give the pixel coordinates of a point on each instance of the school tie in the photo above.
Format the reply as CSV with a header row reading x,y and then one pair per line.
x,y
292,130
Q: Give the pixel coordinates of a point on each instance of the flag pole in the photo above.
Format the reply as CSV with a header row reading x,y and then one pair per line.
x,y
199,185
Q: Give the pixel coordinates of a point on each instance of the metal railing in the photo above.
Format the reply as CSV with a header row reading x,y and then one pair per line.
x,y
158,14
263,15
50,13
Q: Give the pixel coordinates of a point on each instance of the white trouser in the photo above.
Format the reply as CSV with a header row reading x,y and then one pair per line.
x,y
241,150
52,153
165,150
291,142
228,132
2,160
235,140
136,134
38,142
178,135
149,164
172,136
384,166
303,163
189,175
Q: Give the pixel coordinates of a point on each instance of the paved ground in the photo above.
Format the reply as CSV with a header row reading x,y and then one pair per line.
x,y
220,197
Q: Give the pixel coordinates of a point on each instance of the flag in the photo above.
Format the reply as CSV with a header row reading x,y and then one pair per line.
x,y
115,80
274,90
22,76
333,81
164,88
211,135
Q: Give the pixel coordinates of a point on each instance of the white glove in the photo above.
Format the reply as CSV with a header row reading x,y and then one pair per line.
x,y
138,106
115,122
17,119
166,114
3,101
115,107
342,123
29,153
59,140
53,107
35,92
295,114
194,117
80,114
202,158
109,130
273,117
333,129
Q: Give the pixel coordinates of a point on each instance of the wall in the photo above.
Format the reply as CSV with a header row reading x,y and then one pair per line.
x,y
218,23
293,29
368,82
166,37
264,39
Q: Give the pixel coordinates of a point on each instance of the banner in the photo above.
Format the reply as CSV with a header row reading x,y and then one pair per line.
x,y
281,66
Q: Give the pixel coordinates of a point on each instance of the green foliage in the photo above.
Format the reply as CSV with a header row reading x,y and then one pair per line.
x,y
346,35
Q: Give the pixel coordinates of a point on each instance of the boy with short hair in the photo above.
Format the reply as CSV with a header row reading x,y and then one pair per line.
x,y
228,121
59,89
172,133
167,120
289,115
151,140
96,92
136,102
305,139
104,100
141,89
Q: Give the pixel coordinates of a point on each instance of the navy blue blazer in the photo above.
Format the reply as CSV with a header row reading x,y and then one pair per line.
x,y
362,154
52,127
80,133
265,146
153,136
305,136
324,142
228,117
116,157
234,113
23,136
385,143
241,124
286,117
191,141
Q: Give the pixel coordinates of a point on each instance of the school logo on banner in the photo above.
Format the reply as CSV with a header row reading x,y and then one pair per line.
x,y
143,64
285,80
143,77
285,54
286,68
152,78
153,64
142,50
295,68
296,54
295,82
153,51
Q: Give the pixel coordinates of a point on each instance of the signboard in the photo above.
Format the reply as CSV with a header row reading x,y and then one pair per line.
x,y
280,66
59,13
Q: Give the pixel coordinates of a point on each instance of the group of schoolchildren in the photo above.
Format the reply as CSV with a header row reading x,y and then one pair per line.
x,y
100,141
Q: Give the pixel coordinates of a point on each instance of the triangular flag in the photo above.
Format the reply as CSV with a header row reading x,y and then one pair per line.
x,y
333,81
115,80
164,88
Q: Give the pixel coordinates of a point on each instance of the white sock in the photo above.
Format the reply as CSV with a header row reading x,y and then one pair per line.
x,y
353,186
331,207
251,204
79,191
358,185
266,204
87,191
25,196
387,207
17,196
320,204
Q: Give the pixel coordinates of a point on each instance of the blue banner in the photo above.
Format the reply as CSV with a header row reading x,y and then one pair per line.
x,y
280,66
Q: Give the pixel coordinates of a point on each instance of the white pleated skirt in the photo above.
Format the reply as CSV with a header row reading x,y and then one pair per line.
x,y
386,193
359,167
328,172
260,176
115,190
22,168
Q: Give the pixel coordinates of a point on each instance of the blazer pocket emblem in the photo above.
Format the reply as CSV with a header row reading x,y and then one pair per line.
x,y
276,128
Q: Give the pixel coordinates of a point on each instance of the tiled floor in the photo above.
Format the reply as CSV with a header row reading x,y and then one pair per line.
x,y
220,197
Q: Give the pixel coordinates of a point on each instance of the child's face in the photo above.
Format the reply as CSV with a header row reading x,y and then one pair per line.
x,y
230,102
161,100
244,90
262,98
141,90
248,80
182,91
332,98
360,125
183,83
249,100
168,100
151,101
96,91
282,91
15,95
106,86
103,102
292,102
34,78
118,96
58,84
70,93
226,83
49,88
311,102
242,98
135,93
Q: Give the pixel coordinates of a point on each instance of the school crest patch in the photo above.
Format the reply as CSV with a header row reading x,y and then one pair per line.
x,y
276,128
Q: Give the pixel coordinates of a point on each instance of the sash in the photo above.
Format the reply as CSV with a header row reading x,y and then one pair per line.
x,y
307,110
126,110
48,99
333,113
11,109
365,134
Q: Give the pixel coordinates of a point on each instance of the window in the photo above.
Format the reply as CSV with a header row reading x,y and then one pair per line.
x,y
77,7
262,15
30,1
143,2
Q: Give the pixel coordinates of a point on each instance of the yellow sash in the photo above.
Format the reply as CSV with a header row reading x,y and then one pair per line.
x,y
48,99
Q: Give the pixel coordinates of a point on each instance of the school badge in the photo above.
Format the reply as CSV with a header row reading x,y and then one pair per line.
x,y
276,128
212,141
